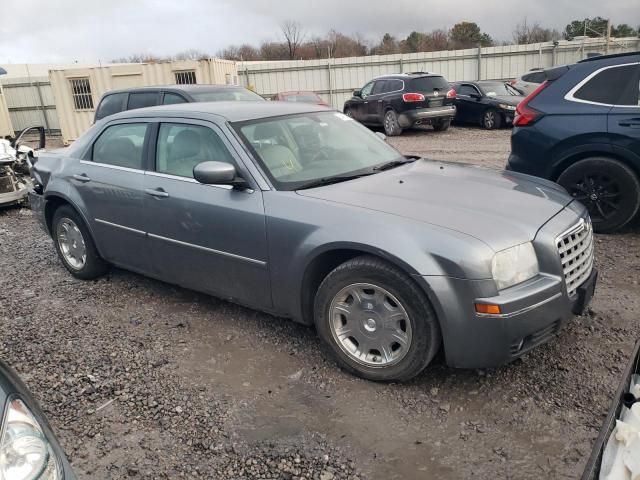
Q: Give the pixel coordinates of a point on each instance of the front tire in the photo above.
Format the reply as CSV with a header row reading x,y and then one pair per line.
x,y
491,119
75,246
375,321
391,126
607,187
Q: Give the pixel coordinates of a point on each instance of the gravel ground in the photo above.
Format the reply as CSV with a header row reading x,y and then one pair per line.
x,y
141,379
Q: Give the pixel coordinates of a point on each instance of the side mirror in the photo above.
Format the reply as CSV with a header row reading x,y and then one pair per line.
x,y
357,93
217,173
381,136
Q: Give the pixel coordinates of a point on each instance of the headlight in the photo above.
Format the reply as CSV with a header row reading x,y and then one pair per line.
x,y
25,453
514,265
506,107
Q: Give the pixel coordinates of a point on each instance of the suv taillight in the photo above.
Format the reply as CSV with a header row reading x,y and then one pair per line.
x,y
525,115
451,93
413,97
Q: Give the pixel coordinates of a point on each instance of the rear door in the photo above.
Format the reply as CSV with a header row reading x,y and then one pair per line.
x,y
624,117
109,180
434,88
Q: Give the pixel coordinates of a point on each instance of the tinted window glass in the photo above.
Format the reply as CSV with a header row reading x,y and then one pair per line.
x,y
366,90
536,77
466,90
380,86
121,145
172,98
429,84
613,86
111,104
227,94
141,100
181,147
394,85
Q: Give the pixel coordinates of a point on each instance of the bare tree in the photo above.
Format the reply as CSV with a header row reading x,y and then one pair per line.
x,y
191,54
525,32
293,36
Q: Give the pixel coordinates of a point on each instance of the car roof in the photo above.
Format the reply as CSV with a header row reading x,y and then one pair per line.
x,y
178,88
607,57
296,92
232,111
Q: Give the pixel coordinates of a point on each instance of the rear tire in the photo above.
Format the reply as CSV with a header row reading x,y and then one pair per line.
x,y
441,125
75,246
607,187
387,331
491,119
391,126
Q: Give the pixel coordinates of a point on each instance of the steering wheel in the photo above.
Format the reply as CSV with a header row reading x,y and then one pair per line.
x,y
320,156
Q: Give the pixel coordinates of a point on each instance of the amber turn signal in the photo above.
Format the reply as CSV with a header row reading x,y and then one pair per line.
x,y
488,308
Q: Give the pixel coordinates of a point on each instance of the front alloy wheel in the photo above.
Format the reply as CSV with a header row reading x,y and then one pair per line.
x,y
375,320
370,325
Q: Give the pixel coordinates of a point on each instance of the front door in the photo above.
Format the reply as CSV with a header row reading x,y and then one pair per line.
x,y
110,181
361,112
210,238
466,104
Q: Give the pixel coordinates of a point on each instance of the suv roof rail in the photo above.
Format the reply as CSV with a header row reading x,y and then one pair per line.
x,y
604,57
417,73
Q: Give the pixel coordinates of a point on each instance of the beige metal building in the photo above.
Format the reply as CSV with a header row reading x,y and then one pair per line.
x,y
5,122
77,91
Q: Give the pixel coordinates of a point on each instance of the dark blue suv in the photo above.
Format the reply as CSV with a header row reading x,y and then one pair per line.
x,y
581,128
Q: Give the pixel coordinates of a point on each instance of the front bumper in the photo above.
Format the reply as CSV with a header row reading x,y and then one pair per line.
x,y
426,115
531,312
10,198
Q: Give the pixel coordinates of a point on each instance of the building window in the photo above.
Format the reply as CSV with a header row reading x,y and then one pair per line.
x,y
81,92
186,77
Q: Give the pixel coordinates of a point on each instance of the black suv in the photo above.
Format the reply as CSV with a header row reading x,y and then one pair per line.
x,y
402,101
117,101
581,128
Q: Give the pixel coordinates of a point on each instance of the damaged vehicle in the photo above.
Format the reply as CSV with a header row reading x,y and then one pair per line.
x,y
15,161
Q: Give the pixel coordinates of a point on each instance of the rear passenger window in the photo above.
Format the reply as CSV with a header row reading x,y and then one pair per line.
x,y
141,100
394,85
182,146
380,87
111,104
173,98
613,86
121,145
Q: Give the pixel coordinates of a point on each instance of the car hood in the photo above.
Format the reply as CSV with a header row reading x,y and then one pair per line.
x,y
508,99
500,208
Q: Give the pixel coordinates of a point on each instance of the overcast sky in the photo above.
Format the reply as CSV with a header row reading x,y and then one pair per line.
x,y
92,30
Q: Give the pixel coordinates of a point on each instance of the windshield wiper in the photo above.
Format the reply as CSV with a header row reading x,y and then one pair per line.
x,y
330,180
396,163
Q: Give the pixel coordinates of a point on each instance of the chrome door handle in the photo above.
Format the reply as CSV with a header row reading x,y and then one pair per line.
x,y
632,122
82,178
154,192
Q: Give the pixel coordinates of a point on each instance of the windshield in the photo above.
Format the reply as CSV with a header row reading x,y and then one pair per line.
x,y
227,94
297,149
498,89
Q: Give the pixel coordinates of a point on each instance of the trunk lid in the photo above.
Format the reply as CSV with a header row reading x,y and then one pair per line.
x,y
433,87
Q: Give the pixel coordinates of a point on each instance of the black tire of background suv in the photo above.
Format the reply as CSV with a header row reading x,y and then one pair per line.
x,y
628,183
441,125
395,129
426,336
94,266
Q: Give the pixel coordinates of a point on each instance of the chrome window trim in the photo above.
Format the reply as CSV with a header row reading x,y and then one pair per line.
x,y
570,94
388,80
121,227
210,250
114,167
189,180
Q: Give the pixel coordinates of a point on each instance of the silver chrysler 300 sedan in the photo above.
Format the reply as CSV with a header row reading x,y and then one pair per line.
x,y
301,212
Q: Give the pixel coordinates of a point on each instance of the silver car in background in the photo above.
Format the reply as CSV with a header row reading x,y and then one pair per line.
x,y
300,211
529,81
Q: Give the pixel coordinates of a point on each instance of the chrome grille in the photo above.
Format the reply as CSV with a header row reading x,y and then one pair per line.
x,y
576,254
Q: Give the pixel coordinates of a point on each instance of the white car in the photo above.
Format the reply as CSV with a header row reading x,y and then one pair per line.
x,y
528,82
15,181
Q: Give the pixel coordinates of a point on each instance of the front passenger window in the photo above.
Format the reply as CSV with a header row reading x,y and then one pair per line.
x,y
182,146
121,145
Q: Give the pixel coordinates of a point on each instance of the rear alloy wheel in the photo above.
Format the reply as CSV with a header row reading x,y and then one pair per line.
x,y
491,119
376,321
607,187
75,246
391,125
